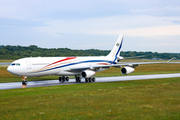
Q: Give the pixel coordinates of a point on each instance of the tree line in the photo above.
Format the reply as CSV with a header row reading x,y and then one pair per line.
x,y
16,52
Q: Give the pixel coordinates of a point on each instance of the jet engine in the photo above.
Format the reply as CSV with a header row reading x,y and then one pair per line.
x,y
88,73
127,70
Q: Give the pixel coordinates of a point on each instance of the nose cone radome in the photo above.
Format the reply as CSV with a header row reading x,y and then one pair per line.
x,y
10,70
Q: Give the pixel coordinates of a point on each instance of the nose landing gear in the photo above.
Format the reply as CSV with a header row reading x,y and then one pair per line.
x,y
24,82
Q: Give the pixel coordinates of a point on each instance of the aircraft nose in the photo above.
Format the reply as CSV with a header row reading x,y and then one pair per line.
x,y
10,70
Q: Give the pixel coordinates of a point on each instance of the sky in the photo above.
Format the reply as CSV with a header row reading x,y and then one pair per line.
x,y
147,25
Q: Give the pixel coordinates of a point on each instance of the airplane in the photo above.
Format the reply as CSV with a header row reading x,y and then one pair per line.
x,y
80,67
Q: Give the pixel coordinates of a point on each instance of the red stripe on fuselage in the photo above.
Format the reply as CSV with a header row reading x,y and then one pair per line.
x,y
102,63
68,58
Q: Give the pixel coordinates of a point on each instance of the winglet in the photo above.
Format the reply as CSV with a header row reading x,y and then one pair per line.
x,y
170,60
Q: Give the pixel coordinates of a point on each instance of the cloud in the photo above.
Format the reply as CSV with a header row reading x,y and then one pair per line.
x,y
129,25
39,9
161,43
17,9
149,31
157,10
45,9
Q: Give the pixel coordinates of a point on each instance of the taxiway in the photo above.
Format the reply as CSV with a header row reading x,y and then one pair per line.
x,y
5,63
16,85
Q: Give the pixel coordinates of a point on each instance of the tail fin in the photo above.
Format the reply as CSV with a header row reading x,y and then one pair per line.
x,y
114,54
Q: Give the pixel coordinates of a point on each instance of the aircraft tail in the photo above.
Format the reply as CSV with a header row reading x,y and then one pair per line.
x,y
115,52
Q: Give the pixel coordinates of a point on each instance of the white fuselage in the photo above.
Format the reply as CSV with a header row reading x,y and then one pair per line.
x,y
45,66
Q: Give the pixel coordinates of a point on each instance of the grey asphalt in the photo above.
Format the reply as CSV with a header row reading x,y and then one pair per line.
x,y
16,85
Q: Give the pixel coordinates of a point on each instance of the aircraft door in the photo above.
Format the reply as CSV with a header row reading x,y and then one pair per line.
x,y
28,64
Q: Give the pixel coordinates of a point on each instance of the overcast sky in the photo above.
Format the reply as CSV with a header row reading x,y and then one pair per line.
x,y
147,25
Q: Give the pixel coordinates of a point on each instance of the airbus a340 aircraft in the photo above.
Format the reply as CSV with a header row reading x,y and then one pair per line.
x,y
79,67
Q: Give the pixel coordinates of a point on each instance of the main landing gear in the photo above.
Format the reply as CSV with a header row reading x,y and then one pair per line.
x,y
63,79
90,79
24,82
78,78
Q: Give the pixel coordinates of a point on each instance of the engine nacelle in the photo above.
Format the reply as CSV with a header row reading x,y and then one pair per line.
x,y
88,73
127,70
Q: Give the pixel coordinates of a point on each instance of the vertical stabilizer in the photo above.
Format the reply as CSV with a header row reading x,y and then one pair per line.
x,y
115,52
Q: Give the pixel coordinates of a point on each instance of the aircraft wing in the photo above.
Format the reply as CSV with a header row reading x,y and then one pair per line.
x,y
135,64
80,69
118,65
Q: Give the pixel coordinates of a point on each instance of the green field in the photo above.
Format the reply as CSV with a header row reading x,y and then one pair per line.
x,y
136,100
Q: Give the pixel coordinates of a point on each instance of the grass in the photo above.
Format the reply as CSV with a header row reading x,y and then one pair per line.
x,y
136,100
6,61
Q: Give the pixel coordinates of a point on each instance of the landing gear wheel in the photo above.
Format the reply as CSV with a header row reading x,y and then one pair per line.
x,y
63,79
93,79
90,80
24,82
60,79
86,79
67,78
78,79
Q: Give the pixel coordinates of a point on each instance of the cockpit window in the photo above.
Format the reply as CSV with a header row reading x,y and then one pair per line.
x,y
12,64
15,64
